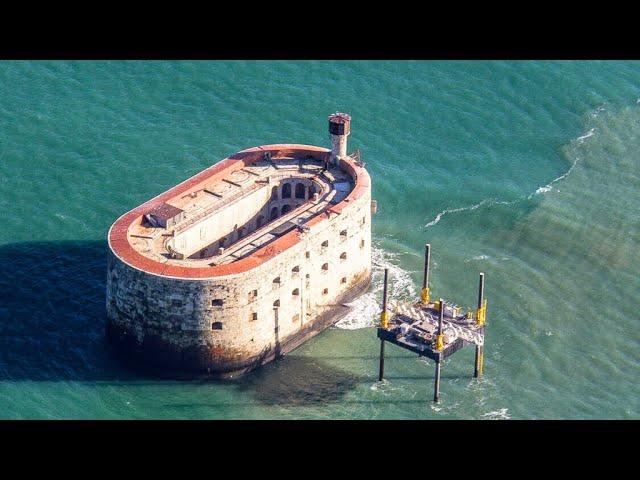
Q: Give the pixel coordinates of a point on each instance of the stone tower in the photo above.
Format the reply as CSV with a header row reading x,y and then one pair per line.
x,y
339,128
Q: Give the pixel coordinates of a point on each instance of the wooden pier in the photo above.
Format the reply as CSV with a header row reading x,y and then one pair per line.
x,y
432,329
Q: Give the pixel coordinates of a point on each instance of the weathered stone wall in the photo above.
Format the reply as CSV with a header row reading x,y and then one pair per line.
x,y
229,324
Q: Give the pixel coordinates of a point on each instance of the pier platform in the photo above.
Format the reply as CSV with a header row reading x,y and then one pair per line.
x,y
432,329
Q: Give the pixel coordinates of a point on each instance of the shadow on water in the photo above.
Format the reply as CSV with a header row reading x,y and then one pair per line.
x,y
52,313
52,318
297,381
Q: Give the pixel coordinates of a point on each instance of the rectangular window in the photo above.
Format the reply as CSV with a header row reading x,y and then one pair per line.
x,y
216,302
216,326
253,294
343,280
325,291
254,316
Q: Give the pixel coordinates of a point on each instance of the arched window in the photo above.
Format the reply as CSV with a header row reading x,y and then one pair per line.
x,y
300,190
260,221
274,193
285,209
325,267
296,292
286,190
276,303
274,213
343,256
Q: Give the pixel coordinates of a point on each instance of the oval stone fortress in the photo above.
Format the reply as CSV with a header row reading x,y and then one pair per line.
x,y
243,262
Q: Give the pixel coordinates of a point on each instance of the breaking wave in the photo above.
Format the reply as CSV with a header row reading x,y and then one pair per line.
x,y
500,414
366,309
491,201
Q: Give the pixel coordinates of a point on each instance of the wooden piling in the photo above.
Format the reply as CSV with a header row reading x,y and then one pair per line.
x,y
436,386
479,360
427,260
381,374
384,313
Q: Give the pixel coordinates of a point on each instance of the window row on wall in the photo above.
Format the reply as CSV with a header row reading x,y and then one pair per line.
x,y
277,281
253,316
294,294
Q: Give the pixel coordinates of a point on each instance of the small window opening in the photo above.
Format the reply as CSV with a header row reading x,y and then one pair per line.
x,y
295,292
276,303
325,291
343,256
254,316
286,190
216,326
343,280
217,302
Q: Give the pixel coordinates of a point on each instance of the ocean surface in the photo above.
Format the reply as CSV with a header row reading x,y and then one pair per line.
x,y
527,171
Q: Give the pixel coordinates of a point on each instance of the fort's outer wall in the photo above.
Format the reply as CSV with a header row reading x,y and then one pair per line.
x,y
166,323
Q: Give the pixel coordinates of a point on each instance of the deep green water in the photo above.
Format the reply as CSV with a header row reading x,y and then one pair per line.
x,y
528,171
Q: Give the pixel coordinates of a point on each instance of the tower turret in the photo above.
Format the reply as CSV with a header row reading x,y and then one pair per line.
x,y
339,128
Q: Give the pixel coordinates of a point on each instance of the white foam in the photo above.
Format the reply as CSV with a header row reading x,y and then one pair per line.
x,y
590,133
456,210
476,258
366,309
498,414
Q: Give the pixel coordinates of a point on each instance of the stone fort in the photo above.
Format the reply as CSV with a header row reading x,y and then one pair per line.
x,y
243,262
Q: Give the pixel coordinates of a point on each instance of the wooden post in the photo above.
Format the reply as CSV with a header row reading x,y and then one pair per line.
x,y
427,259
478,364
384,310
424,295
436,386
381,375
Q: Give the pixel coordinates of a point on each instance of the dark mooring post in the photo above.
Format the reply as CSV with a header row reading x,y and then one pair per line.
x,y
436,386
425,280
384,321
477,371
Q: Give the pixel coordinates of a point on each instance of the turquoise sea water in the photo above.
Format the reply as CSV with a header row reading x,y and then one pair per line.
x,y
528,171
